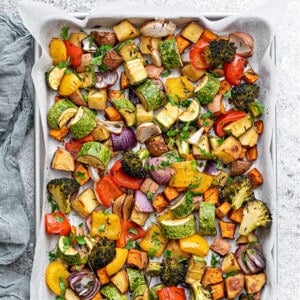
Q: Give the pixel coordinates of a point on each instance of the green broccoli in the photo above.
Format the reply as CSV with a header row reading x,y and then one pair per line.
x,y
255,214
219,52
173,271
102,253
199,292
244,94
237,192
133,165
61,190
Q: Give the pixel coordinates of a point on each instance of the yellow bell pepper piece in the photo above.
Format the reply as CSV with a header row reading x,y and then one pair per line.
x,y
57,51
194,244
69,84
105,225
118,262
55,272
154,242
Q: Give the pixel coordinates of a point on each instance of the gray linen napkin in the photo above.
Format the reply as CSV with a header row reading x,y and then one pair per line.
x,y
16,112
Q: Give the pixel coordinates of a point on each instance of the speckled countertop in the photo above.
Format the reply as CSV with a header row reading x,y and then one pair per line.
x,y
287,132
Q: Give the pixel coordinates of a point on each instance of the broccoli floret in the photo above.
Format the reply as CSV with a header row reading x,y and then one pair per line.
x,y
173,271
244,94
199,292
102,253
238,191
133,165
255,214
219,52
61,190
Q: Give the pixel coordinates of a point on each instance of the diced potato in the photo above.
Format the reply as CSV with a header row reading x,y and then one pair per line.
x,y
125,30
227,230
143,116
149,185
147,44
85,202
218,291
77,37
251,153
63,160
173,246
138,217
180,88
229,264
250,76
120,280
78,98
220,246
81,174
191,72
254,283
211,276
100,133
170,193
137,258
97,99
249,138
182,43
87,79
157,146
234,285
192,32
229,151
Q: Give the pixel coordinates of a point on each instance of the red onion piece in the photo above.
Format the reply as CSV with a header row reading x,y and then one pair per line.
x,y
124,141
142,203
88,46
211,169
133,97
105,80
94,173
239,253
161,174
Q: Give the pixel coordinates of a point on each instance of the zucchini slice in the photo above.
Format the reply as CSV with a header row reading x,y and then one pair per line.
x,y
126,109
191,113
94,154
129,50
55,77
207,89
60,113
207,224
67,253
179,228
135,71
183,207
83,123
170,54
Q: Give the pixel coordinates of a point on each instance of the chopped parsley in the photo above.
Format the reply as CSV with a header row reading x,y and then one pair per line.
x,y
219,165
171,99
168,253
149,195
80,240
132,231
80,175
215,260
152,251
59,219
65,33
66,243
166,73
129,245
52,255
53,204
102,228
230,274
62,285
227,94
63,64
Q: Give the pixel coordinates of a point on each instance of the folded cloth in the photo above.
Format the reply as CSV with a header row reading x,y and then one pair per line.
x,y
16,112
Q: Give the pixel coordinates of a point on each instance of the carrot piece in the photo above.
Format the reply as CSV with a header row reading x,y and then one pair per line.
x,y
181,189
227,229
243,153
73,147
112,114
170,193
211,195
208,35
160,203
218,291
103,276
224,87
182,43
206,123
256,177
251,153
114,94
236,215
88,138
259,126
250,76
211,276
81,174
124,81
223,210
97,297
190,156
59,134
137,258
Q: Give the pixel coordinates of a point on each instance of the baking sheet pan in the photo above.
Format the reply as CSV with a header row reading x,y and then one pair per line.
x,y
40,155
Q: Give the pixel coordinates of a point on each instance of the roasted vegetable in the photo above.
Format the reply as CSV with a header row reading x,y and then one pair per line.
x,y
61,191
133,165
255,214
199,292
173,271
102,253
237,192
243,94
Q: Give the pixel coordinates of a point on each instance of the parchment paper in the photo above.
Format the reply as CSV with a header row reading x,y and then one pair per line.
x,y
45,22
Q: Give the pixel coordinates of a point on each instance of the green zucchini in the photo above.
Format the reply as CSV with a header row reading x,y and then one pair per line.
x,y
60,113
183,207
110,292
207,219
136,278
207,89
196,269
126,109
179,228
191,113
55,77
94,154
135,71
83,123
151,96
129,50
170,54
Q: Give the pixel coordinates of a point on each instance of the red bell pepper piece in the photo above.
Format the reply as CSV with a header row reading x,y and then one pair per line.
x,y
74,53
171,293
229,117
234,70
122,179
57,223
197,55
130,231
107,191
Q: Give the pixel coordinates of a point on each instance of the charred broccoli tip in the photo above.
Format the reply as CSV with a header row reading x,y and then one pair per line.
x,y
255,214
199,292
133,165
244,94
102,253
173,271
238,191
219,52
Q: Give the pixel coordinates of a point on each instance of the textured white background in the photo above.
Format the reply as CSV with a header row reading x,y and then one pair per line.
x,y
287,131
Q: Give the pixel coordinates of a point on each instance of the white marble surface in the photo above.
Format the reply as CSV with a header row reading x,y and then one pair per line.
x,y
287,131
